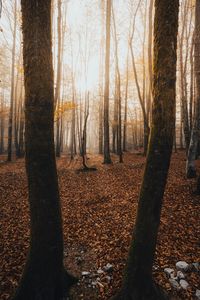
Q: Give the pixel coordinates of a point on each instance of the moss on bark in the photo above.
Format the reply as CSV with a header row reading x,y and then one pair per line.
x,y
44,276
138,282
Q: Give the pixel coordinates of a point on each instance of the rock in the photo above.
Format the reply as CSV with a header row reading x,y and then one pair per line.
x,y
196,266
182,266
184,284
180,275
174,284
84,273
172,276
197,294
169,271
108,268
108,278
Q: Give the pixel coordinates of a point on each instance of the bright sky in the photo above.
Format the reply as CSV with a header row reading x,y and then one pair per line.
x,y
82,38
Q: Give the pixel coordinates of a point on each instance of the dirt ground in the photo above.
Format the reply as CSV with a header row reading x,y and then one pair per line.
x,y
99,210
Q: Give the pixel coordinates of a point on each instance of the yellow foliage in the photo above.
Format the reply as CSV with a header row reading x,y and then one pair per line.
x,y
66,106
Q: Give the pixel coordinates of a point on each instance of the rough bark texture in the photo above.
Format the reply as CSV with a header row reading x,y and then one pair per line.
x,y
107,159
183,79
44,276
58,79
138,282
190,166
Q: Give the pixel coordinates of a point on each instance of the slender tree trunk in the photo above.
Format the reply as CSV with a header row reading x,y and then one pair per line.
x,y
2,124
183,78
138,283
125,108
118,94
84,135
115,118
150,35
10,120
107,158
58,80
101,80
44,276
191,84
100,126
73,124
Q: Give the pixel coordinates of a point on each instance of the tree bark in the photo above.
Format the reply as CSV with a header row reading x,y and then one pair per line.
x,y
44,276
190,166
2,124
101,70
107,158
125,107
10,120
58,80
138,283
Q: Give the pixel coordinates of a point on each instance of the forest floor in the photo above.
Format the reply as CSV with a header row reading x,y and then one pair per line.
x,y
99,210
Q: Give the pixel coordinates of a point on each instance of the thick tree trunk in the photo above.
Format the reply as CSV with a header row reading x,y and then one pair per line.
x,y
44,276
107,158
190,166
138,283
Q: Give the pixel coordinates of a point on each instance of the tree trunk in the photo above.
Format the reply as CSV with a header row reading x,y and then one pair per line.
x,y
183,78
138,283
118,94
2,124
191,84
10,120
190,166
107,158
58,81
44,276
101,80
125,108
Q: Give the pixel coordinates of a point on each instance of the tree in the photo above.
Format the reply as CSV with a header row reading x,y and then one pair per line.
x,y
138,282
190,167
44,276
107,159
101,70
126,105
58,77
10,121
145,107
117,94
184,35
